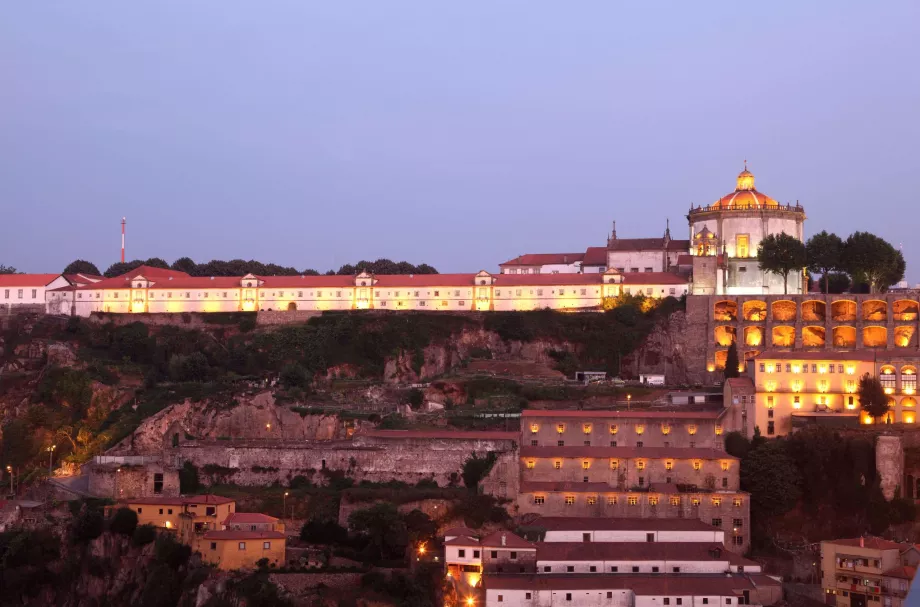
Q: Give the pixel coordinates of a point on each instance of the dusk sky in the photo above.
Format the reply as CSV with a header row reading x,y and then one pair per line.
x,y
458,134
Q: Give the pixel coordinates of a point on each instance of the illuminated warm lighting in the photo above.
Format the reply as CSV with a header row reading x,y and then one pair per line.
x,y
168,525
421,549
629,397
668,465
691,429
640,428
725,465
908,390
585,464
796,404
822,369
718,430
640,464
268,426
710,367
560,428
771,386
741,368
887,371
908,418
614,464
851,370
665,429
614,428
534,428
797,386
796,368
770,368
531,464
889,390
866,419
822,385
470,600
586,428
697,465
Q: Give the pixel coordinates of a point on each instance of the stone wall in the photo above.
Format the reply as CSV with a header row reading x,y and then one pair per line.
x,y
889,462
282,317
121,481
181,319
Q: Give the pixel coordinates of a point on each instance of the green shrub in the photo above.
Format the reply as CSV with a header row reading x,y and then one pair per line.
x,y
188,478
171,552
144,534
124,521
88,525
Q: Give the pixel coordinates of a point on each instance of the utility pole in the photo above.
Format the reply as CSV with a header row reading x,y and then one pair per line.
x,y
9,469
51,458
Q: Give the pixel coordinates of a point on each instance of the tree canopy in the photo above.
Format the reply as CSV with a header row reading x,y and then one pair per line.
x,y
241,267
384,528
772,478
873,261
7,269
81,266
872,397
781,254
731,362
835,283
824,252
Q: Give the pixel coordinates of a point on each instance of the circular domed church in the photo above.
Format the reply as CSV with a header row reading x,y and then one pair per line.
x,y
724,237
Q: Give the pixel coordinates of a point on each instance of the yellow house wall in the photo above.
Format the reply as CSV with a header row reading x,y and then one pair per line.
x,y
228,556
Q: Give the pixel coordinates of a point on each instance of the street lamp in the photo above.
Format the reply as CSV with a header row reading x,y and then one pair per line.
x,y
284,507
115,488
50,458
9,469
268,427
628,399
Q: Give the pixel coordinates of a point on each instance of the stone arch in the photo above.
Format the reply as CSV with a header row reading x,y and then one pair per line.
x,y
843,310
754,310
844,337
784,336
721,357
725,335
875,337
750,355
292,307
753,336
784,310
904,336
814,311
905,309
813,337
909,401
875,310
725,310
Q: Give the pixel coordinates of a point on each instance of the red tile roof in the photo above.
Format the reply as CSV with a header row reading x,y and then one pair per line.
x,y
210,500
875,543
444,434
862,355
742,384
644,585
904,572
526,280
580,413
232,534
456,531
584,523
685,260
26,280
539,259
249,518
462,540
638,551
626,452
595,256
646,244
653,278
494,540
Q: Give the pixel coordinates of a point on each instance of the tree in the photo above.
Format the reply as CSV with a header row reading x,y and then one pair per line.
x,y
872,397
156,262
384,528
476,468
184,264
731,362
81,266
7,269
420,527
124,521
737,445
825,255
835,282
772,479
781,254
119,268
870,259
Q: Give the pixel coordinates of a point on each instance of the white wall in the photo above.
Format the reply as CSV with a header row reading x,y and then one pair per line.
x,y
548,598
452,555
714,536
657,290
628,260
626,566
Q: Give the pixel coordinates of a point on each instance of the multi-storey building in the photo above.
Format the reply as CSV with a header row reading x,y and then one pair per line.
x,y
153,290
864,571
591,529
632,464
30,290
794,389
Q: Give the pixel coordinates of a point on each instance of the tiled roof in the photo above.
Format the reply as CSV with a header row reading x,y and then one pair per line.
x,y
644,585
408,281
210,500
904,572
26,280
232,534
646,244
462,540
595,256
741,383
862,355
457,531
626,452
249,518
584,523
639,414
636,551
539,259
494,540
443,434
653,278
685,260
537,280
875,543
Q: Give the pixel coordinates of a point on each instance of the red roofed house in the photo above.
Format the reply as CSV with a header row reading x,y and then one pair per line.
x,y
864,571
17,290
231,549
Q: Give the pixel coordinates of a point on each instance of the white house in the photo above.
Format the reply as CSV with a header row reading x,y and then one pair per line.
x,y
27,289
589,529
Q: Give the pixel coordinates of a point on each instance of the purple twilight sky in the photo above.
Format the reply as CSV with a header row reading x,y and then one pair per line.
x,y
458,134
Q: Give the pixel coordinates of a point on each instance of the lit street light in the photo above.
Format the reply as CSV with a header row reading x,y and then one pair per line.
x,y
50,458
284,508
9,469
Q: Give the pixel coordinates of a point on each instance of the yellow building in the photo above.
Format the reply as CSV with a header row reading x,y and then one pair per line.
x,y
798,388
233,549
867,570
184,514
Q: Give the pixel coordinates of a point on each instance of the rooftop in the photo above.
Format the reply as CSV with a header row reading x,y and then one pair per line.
x,y
249,518
639,551
232,534
644,585
457,531
874,543
505,539
653,278
578,523
210,500
443,434
712,414
26,280
539,259
626,452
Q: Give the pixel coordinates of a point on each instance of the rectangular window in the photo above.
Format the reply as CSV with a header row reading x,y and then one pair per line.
x,y
569,500
614,569
675,500
742,245
241,546
461,553
612,500
539,499
672,291
675,569
738,540
592,499
771,428
213,545
716,522
266,545
632,500
737,522
763,367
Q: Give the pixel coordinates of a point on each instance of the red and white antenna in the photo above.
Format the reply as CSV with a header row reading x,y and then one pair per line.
x,y
122,240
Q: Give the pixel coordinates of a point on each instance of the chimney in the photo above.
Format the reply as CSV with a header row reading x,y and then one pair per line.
x,y
504,540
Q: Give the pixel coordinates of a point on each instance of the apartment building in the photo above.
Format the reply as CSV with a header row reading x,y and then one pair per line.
x,y
867,571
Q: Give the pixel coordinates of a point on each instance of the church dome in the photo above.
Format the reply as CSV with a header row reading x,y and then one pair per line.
x,y
745,195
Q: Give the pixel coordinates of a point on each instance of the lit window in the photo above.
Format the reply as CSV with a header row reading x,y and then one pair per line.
x,y
531,464
675,500
719,428
539,499
614,464
717,501
640,465
653,500
697,464
736,502
592,499
633,500
725,464
694,501
640,428
669,465
586,428
691,429
611,500
614,429
585,465
665,429
560,428
569,500
534,428
557,464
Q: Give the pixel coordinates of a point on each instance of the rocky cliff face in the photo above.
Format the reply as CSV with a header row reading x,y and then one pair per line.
x,y
671,350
